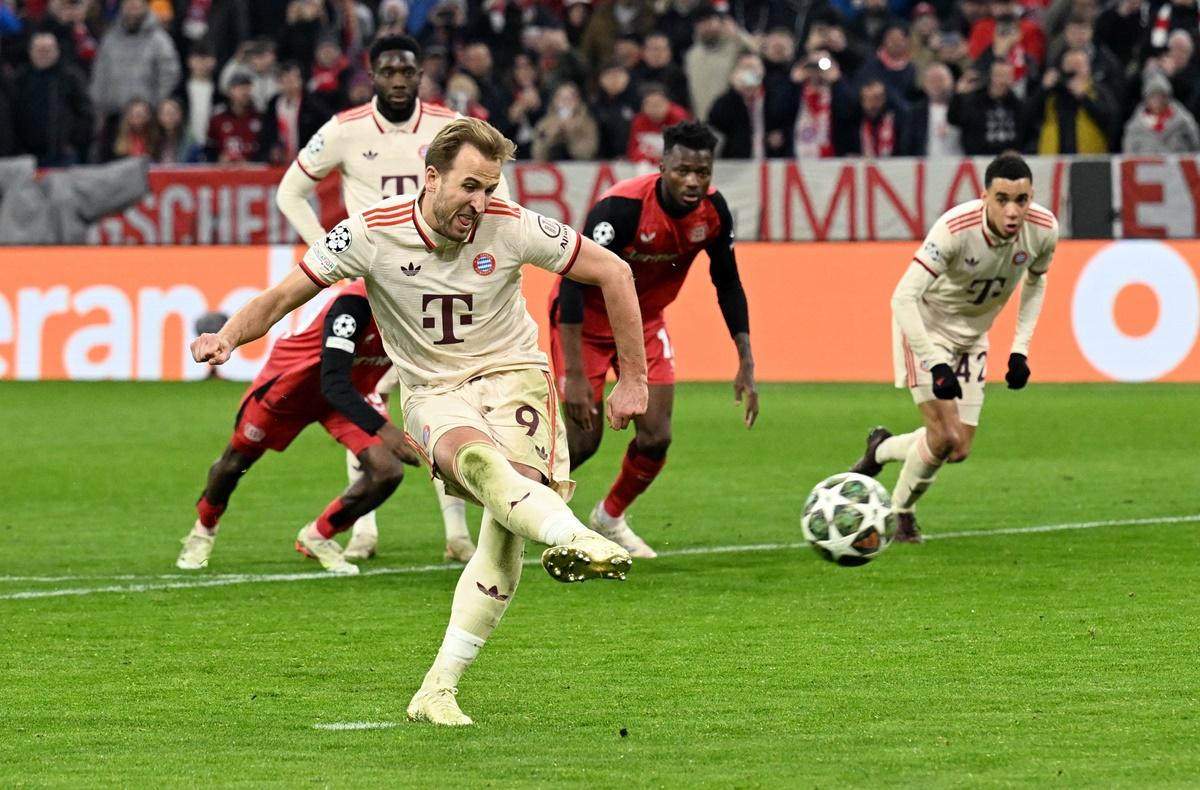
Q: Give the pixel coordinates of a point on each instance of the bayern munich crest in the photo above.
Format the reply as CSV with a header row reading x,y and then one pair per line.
x,y
1020,258
484,263
422,151
338,240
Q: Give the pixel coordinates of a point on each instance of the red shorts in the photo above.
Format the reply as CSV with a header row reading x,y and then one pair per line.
x,y
600,355
260,428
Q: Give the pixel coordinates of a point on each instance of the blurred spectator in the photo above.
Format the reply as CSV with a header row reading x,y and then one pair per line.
x,y
462,96
67,20
991,117
1160,124
1179,64
710,61
359,90
1006,45
952,50
827,33
816,78
628,50
298,39
435,64
1106,69
137,132
137,59
176,145
353,24
678,22
932,133
256,60
614,108
51,107
1077,115
965,14
737,114
199,94
576,15
611,21
557,62
778,54
393,18
1005,22
234,130
330,74
923,37
567,130
523,105
292,117
1120,28
8,137
876,128
658,65
475,60
497,25
867,27
446,25
646,129
892,64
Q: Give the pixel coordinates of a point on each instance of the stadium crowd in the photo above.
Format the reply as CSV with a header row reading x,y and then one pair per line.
x,y
183,81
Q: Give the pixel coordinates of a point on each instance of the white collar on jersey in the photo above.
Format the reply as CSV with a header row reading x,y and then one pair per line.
x,y
431,237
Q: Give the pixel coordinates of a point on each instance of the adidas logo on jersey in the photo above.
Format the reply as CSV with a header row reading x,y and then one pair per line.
x,y
972,261
541,451
369,154
411,269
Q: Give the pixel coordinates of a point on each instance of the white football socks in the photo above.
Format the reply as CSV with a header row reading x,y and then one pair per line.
x,y
895,448
454,513
482,595
916,476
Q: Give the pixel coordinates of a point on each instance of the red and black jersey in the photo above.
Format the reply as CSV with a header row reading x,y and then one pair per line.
x,y
334,361
659,245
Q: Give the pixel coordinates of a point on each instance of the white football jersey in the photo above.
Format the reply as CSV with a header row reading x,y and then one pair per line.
x,y
447,311
975,271
377,159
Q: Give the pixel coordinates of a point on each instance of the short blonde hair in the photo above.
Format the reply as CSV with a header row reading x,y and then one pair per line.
x,y
468,131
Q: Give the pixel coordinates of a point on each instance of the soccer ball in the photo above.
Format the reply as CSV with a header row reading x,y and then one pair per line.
x,y
848,519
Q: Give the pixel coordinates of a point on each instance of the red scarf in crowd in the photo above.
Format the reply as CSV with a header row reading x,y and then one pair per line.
x,y
813,139
1158,122
878,139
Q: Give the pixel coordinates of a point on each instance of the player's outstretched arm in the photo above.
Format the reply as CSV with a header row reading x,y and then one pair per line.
x,y
292,199
597,266
578,400
255,318
1033,293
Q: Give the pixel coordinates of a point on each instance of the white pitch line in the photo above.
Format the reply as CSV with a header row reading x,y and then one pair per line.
x,y
250,578
355,725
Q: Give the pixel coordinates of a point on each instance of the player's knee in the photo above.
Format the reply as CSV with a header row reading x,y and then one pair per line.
x,y
943,441
383,470
960,452
654,443
232,463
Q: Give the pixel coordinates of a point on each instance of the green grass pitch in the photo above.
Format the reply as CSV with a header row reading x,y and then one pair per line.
x,y
1064,658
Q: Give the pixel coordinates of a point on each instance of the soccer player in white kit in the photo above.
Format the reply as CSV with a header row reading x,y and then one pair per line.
x,y
379,148
955,286
443,276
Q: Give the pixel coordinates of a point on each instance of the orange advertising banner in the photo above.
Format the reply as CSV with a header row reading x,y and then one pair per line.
x,y
1114,311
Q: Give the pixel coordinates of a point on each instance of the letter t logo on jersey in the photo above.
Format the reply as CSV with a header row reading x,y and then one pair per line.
x,y
447,315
